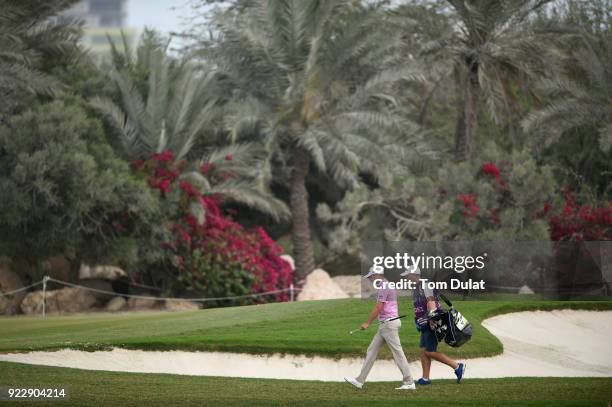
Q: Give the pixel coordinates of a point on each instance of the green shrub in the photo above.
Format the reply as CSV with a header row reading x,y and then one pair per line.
x,y
65,193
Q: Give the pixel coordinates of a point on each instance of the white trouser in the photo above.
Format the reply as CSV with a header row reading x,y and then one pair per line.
x,y
387,332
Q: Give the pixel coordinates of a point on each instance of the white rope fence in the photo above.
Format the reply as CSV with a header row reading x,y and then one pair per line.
x,y
7,293
291,290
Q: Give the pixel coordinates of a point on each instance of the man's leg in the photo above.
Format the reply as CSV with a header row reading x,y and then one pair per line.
x,y
430,343
390,332
442,358
371,356
425,364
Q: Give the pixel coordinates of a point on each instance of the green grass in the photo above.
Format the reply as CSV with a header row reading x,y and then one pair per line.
x,y
90,388
316,327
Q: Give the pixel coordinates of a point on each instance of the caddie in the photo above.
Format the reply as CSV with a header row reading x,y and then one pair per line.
x,y
426,304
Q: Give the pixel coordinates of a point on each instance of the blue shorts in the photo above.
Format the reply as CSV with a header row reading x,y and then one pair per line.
x,y
428,340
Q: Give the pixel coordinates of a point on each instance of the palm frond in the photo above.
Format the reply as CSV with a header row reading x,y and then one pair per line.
x,y
116,116
243,193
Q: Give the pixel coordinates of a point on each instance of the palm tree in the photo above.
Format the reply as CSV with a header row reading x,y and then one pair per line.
x,y
582,98
314,81
492,45
171,106
30,35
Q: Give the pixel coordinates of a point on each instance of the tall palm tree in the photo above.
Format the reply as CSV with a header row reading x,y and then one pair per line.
x,y
314,80
30,34
169,110
582,98
492,45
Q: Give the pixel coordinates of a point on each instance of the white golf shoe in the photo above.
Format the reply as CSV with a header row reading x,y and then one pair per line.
x,y
406,386
354,382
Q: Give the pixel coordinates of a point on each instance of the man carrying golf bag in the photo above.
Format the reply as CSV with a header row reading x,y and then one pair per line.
x,y
388,332
426,309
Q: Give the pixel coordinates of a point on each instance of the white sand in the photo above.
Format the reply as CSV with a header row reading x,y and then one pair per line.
x,y
558,343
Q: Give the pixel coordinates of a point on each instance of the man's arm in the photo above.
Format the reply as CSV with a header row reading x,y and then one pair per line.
x,y
373,315
431,311
431,304
431,301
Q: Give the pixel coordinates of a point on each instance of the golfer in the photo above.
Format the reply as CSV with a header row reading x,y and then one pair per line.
x,y
426,305
388,331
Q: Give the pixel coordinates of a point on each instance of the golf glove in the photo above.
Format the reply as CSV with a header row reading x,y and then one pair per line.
x,y
432,314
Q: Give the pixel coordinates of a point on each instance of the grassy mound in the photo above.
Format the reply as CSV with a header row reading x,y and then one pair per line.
x,y
311,328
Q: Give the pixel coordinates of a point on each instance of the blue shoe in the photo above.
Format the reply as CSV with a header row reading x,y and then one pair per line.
x,y
423,382
460,371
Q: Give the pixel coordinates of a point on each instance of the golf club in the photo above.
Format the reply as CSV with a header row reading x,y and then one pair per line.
x,y
391,319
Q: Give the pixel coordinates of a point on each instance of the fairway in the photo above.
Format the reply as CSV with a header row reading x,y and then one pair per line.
x,y
309,328
88,388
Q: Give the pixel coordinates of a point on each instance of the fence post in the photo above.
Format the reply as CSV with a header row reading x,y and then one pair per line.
x,y
291,292
44,299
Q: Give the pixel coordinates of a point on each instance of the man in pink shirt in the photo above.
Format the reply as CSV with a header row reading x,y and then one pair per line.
x,y
388,332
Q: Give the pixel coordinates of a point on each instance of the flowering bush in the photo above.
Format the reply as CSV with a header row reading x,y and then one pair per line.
x,y
469,203
579,222
496,198
574,222
491,199
210,254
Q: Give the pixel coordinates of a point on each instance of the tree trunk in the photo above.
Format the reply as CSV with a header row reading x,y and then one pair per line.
x,y
467,115
425,102
460,106
302,245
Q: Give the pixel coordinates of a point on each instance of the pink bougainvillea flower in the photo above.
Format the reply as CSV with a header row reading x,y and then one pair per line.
x,y
490,168
164,186
189,189
206,168
469,203
583,222
138,164
164,157
467,199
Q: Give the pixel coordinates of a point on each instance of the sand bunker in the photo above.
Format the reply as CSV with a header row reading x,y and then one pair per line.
x,y
559,343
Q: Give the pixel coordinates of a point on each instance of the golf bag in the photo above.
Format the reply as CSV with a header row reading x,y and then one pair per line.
x,y
451,326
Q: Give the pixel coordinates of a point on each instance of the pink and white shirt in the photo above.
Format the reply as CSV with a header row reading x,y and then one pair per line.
x,y
389,298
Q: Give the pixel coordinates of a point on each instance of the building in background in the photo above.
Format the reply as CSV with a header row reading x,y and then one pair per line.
x,y
102,19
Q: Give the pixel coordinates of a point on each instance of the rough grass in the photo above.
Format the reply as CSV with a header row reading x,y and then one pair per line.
x,y
316,327
91,388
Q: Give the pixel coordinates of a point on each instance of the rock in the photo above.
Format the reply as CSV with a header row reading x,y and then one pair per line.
x,y
142,304
32,303
116,304
289,260
59,301
526,290
10,281
99,284
181,306
74,300
101,272
354,286
319,286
